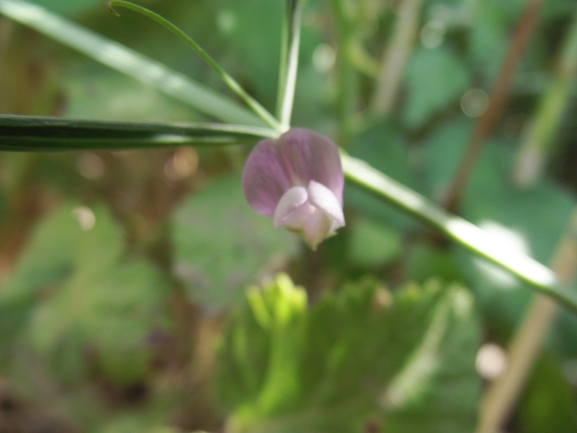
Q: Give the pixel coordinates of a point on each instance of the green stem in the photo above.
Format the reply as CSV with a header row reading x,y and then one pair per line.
x,y
467,235
537,145
396,58
497,101
501,395
347,74
228,80
289,62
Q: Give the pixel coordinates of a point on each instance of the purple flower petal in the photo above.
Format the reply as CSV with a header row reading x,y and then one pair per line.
x,y
294,159
308,156
298,180
264,180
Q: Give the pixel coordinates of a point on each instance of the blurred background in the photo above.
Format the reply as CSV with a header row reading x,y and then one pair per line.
x,y
123,273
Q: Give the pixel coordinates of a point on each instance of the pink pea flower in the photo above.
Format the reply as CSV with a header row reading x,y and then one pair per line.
x,y
297,180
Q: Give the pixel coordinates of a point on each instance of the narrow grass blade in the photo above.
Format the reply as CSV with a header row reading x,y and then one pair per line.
x,y
228,80
289,62
40,134
128,62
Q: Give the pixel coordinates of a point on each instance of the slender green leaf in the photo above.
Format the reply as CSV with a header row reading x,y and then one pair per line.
x,y
25,133
125,60
228,80
289,62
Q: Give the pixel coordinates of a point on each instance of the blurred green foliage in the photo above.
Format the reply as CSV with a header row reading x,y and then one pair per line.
x,y
285,367
121,271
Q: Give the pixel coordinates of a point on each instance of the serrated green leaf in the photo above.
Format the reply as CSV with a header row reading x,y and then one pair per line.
x,y
221,244
407,359
435,79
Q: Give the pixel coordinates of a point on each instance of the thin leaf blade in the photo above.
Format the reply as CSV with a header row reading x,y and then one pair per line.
x,y
129,62
31,133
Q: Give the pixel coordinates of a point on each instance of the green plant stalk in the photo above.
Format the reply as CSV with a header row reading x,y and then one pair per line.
x,y
396,58
289,62
228,80
500,397
129,62
538,143
346,73
460,231
499,95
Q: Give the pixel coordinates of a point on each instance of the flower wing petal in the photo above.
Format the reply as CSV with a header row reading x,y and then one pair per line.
x,y
264,179
323,199
292,209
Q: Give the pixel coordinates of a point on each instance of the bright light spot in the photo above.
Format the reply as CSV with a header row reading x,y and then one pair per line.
x,y
506,240
182,165
474,103
433,34
226,21
85,217
491,361
90,165
324,57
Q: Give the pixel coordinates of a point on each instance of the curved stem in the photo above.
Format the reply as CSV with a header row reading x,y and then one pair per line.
x,y
228,80
462,232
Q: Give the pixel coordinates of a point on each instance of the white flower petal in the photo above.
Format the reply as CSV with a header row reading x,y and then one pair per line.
x,y
290,211
317,228
325,200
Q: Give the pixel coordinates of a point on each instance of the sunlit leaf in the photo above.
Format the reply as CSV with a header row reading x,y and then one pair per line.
x,y
364,355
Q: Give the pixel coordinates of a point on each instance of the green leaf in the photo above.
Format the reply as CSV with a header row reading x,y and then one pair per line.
x,y
435,79
81,302
372,244
406,359
129,62
534,219
443,151
548,392
383,145
27,133
221,244
67,7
